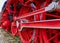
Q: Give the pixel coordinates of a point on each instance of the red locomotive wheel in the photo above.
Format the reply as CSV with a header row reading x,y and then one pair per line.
x,y
15,9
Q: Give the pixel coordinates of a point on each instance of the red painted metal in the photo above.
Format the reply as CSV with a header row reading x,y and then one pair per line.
x,y
28,33
49,24
31,22
13,29
42,10
5,21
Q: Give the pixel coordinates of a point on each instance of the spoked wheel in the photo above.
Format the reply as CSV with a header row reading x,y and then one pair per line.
x,y
26,35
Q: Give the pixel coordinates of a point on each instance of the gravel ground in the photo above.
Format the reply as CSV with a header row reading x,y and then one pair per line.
x,y
7,38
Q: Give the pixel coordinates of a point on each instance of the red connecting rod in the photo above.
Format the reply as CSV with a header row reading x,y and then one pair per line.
x,y
31,14
51,24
